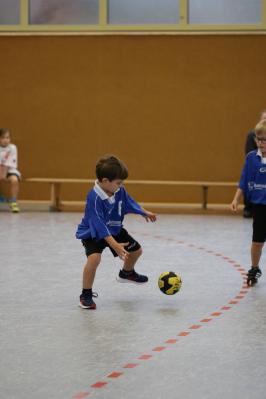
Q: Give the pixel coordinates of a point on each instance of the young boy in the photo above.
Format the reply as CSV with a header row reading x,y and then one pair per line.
x,y
102,226
8,167
253,185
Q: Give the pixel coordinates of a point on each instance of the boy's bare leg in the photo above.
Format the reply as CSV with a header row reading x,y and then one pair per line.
x,y
89,271
131,260
256,250
14,186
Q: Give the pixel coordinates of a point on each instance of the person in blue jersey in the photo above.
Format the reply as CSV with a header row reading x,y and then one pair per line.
x,y
102,226
253,186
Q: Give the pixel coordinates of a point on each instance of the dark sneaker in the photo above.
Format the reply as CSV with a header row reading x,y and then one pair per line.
x,y
253,274
132,277
86,301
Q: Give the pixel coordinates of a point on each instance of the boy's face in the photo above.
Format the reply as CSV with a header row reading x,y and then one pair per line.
x,y
110,186
261,142
5,139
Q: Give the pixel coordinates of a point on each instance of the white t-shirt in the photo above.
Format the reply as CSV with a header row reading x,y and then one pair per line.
x,y
9,158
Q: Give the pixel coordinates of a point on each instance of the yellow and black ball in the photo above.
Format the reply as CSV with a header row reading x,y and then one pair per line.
x,y
169,283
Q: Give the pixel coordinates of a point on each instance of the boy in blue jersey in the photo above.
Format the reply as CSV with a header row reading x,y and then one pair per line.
x,y
102,226
253,186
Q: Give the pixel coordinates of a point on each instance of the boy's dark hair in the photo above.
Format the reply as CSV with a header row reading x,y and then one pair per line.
x,y
3,131
111,168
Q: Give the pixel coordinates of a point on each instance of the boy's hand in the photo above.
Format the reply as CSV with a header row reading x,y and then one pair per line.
x,y
234,205
120,250
149,216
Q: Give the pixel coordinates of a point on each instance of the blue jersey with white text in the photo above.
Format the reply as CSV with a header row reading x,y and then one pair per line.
x,y
104,215
253,178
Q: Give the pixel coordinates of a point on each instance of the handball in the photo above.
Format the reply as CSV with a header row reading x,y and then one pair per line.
x,y
169,283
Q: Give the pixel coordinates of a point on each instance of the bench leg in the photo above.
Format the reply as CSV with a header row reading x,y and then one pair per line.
x,y
204,197
55,197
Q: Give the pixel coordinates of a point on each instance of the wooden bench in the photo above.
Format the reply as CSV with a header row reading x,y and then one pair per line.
x,y
56,183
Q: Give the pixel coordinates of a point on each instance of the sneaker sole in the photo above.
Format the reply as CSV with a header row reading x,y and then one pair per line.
x,y
124,280
87,307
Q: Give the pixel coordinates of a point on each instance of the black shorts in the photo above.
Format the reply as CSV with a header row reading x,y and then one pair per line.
x,y
93,246
259,223
13,174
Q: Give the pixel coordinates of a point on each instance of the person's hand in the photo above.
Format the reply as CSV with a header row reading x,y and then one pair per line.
x,y
150,216
120,250
234,205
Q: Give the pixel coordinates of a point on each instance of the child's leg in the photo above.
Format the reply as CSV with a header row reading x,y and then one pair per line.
x,y
90,270
14,182
131,260
256,250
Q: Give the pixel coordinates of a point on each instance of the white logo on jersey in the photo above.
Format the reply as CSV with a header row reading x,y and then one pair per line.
x,y
120,208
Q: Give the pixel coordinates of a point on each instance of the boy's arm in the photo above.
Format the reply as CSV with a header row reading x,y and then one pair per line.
x,y
12,157
236,199
131,206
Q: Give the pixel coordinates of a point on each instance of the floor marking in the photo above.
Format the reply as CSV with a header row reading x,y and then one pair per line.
x,y
130,366
195,327
171,341
145,357
81,395
244,290
159,349
115,374
99,384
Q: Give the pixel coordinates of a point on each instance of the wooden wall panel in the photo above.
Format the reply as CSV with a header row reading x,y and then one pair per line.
x,y
172,107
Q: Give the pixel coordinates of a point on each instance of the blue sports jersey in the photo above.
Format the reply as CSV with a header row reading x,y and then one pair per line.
x,y
253,178
104,215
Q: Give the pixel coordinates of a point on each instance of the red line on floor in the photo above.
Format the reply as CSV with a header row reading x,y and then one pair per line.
x,y
195,327
159,349
99,384
171,341
81,395
130,366
115,374
145,357
183,333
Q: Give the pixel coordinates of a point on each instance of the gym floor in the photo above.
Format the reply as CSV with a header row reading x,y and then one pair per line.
x,y
207,341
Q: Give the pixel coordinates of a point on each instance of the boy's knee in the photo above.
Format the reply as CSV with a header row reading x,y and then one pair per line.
x,y
137,253
13,179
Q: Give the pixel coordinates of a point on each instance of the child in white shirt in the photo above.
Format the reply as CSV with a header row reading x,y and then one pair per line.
x,y
8,167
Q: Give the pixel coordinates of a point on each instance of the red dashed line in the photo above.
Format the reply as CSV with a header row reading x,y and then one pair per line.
x,y
99,384
130,366
145,357
81,395
244,290
159,349
115,374
183,333
171,341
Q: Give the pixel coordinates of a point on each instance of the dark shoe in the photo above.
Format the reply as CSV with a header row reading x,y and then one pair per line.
x,y
253,274
86,301
131,277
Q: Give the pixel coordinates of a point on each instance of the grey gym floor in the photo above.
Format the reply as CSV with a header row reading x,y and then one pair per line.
x,y
51,348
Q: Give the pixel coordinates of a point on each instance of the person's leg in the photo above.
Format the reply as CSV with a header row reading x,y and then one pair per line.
x,y
14,187
89,271
131,260
256,251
